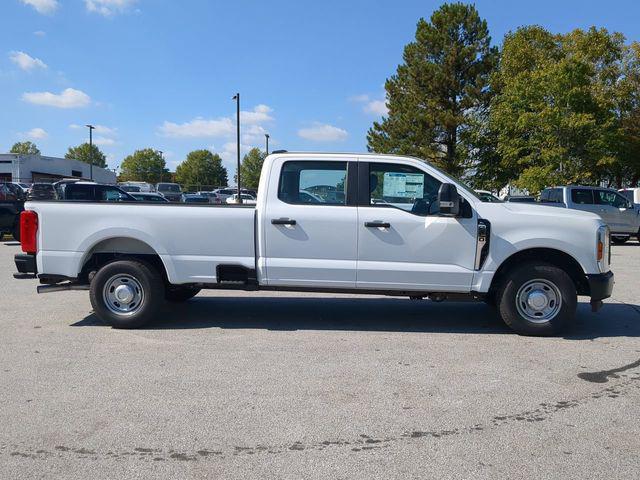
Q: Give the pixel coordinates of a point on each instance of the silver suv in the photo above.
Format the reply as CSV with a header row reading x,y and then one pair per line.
x,y
617,211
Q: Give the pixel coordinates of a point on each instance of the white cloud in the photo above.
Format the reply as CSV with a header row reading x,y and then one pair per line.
x,y
36,134
100,129
376,107
26,61
108,8
359,98
68,98
323,133
250,120
198,128
259,114
371,106
105,141
39,33
42,6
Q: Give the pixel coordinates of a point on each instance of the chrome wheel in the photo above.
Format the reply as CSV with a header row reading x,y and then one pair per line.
x,y
538,300
123,294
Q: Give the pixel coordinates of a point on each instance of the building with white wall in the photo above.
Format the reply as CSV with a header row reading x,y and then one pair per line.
x,y
37,168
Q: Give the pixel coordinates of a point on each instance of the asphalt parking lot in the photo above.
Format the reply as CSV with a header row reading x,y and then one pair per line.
x,y
235,385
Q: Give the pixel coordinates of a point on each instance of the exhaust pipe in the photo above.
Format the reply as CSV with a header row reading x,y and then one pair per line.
x,y
61,287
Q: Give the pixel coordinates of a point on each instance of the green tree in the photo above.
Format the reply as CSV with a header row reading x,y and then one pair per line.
x,y
441,84
87,153
628,107
201,167
554,113
25,148
146,165
251,167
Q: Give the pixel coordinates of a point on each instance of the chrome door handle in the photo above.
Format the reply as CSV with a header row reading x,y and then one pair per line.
x,y
377,224
283,221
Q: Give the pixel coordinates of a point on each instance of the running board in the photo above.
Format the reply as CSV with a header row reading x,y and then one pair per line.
x,y
61,287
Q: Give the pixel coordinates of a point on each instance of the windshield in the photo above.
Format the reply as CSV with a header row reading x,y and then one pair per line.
x,y
169,187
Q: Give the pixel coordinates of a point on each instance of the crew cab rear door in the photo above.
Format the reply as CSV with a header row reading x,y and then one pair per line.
x,y
403,242
309,224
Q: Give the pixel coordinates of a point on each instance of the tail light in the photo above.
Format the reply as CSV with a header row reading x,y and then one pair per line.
x,y
29,231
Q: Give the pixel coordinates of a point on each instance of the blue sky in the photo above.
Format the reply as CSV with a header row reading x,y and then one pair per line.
x,y
161,73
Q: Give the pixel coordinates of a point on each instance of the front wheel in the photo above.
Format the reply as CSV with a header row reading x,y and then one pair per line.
x,y
537,299
126,293
619,240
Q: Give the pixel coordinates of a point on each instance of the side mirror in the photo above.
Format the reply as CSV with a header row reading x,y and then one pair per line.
x,y
449,200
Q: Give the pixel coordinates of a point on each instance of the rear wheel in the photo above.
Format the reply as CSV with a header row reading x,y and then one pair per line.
x,y
619,240
537,299
126,293
180,294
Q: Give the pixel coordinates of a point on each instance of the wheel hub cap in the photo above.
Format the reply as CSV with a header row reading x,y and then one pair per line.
x,y
123,294
538,300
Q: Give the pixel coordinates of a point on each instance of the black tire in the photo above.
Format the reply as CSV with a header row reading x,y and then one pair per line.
x,y
540,279
619,240
177,294
16,231
135,277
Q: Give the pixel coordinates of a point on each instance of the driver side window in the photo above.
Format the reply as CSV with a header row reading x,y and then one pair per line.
x,y
404,187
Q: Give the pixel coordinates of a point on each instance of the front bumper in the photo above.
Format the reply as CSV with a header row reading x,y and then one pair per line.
x,y
25,263
600,285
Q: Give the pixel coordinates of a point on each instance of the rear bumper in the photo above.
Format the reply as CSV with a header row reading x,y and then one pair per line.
x,y
600,285
25,263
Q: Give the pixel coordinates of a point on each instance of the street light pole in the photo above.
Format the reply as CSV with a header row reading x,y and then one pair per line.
x,y
266,136
90,127
237,99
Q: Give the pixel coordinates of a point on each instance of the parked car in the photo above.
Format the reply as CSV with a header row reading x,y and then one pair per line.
x,y
212,196
171,191
7,193
194,198
15,191
41,191
153,197
520,199
246,199
487,196
10,208
616,210
632,194
224,193
91,192
136,187
434,239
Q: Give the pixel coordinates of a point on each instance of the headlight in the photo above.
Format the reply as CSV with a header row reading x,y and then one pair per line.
x,y
603,248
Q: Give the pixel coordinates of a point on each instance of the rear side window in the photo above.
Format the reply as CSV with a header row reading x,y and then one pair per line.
x,y
309,183
78,192
551,195
582,196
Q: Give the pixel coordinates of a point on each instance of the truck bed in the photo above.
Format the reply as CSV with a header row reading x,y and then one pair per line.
x,y
186,237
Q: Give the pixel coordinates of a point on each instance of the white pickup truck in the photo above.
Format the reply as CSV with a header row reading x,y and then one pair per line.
x,y
347,223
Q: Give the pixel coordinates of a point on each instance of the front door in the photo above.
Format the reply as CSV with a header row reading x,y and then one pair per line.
x,y
310,229
616,211
403,243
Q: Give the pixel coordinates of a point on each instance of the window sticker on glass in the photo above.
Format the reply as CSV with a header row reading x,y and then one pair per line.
x,y
403,185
